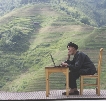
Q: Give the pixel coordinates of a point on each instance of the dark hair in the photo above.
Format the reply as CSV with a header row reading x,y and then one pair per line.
x,y
72,45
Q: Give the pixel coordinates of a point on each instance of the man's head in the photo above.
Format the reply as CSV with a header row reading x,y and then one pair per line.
x,y
72,48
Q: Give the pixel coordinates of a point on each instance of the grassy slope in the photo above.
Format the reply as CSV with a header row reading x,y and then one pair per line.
x,y
94,10
55,32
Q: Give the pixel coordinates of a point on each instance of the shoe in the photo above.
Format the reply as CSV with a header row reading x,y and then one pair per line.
x,y
64,93
74,93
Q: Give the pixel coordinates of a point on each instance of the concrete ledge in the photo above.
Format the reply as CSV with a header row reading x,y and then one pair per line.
x,y
54,94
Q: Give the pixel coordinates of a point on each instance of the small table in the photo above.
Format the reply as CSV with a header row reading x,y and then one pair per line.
x,y
50,70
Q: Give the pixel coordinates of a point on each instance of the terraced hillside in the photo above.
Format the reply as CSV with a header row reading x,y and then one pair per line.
x,y
41,29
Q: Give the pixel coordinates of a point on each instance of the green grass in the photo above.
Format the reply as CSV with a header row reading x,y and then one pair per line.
x,y
25,71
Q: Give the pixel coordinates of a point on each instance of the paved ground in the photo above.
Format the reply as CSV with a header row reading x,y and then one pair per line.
x,y
54,94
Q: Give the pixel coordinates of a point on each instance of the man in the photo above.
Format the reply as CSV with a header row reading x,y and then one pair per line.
x,y
80,65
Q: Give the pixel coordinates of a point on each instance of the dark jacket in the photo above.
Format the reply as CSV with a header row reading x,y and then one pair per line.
x,y
81,63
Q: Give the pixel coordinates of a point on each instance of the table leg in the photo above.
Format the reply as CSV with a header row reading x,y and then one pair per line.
x,y
67,83
47,83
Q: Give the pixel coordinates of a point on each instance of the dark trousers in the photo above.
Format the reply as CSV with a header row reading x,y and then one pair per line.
x,y
73,76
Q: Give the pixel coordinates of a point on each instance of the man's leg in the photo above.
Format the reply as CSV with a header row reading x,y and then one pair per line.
x,y
73,76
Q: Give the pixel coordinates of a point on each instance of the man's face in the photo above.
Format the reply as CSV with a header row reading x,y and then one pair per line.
x,y
71,50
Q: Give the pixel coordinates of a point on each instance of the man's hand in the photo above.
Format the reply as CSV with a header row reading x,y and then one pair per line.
x,y
64,64
68,55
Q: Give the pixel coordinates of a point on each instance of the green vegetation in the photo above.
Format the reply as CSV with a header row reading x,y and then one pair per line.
x,y
93,11
29,33
8,5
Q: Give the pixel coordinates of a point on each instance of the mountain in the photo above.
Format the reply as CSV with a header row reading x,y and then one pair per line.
x,y
8,5
27,36
94,11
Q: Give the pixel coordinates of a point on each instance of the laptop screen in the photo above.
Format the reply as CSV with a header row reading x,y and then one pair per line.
x,y
52,60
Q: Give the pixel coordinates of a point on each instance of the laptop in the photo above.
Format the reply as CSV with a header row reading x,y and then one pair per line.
x,y
54,62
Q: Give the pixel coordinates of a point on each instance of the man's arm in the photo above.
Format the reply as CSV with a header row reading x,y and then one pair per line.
x,y
68,59
69,62
78,62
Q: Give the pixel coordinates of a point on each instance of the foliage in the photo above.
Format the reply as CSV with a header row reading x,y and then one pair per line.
x,y
94,10
25,47
85,21
8,5
15,38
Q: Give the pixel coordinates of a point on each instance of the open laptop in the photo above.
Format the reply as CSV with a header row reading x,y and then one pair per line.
x,y
54,62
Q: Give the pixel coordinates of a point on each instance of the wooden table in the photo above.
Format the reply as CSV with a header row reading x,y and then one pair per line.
x,y
50,70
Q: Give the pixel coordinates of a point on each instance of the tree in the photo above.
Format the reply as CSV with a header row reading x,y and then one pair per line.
x,y
24,2
85,20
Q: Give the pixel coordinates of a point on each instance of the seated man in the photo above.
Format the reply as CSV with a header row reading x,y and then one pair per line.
x,y
80,65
